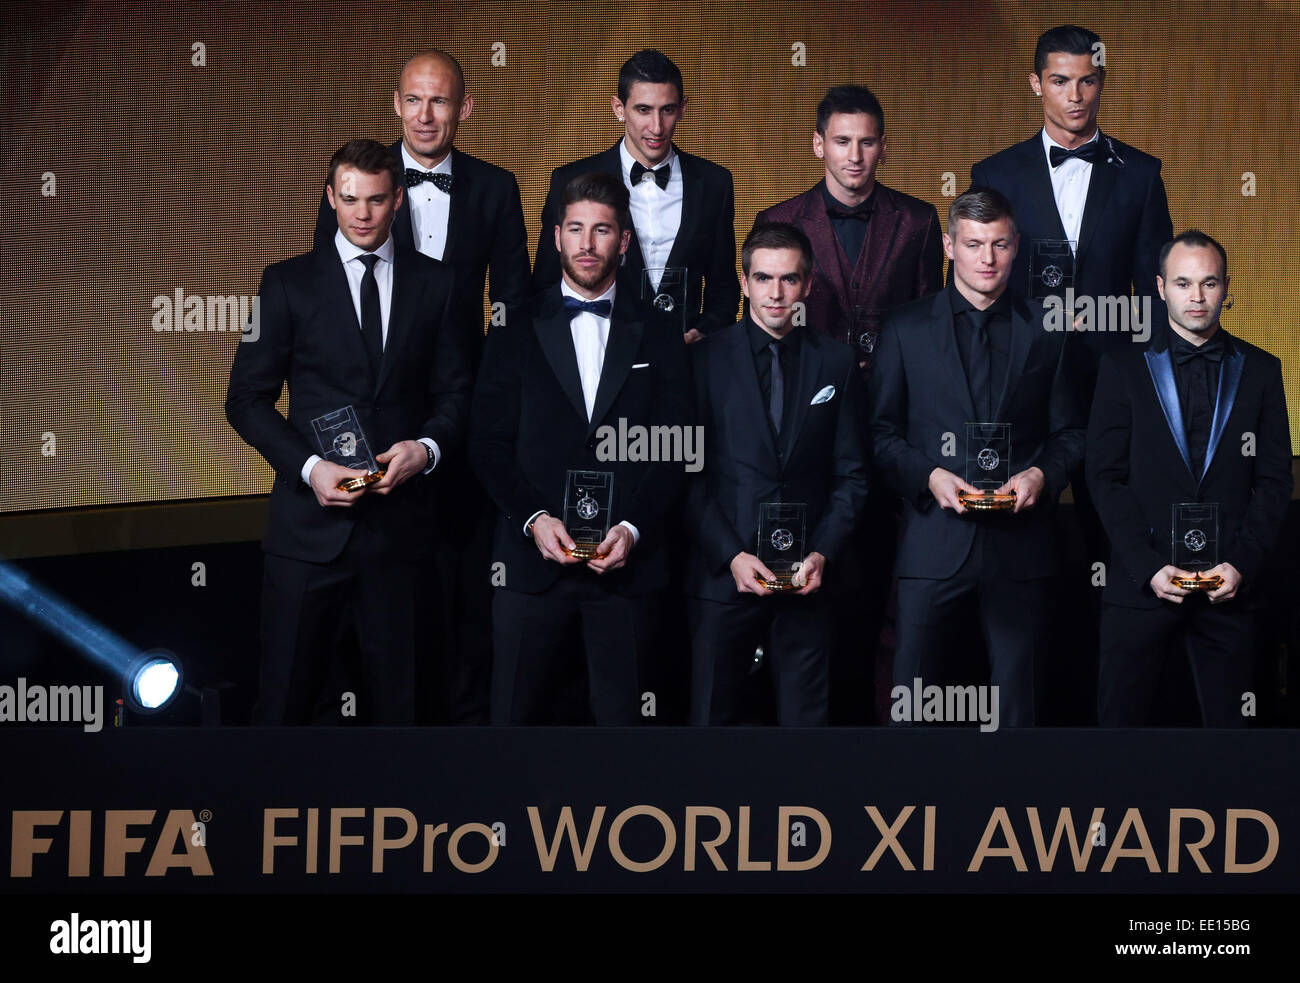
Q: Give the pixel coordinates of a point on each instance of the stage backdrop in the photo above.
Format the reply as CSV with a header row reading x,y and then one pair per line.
x,y
165,150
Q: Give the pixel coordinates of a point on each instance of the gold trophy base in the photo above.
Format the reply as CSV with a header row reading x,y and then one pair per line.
x,y
586,551
1198,582
360,482
782,582
988,501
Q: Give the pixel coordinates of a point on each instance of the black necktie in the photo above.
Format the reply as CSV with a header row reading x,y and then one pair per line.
x,y
573,306
1088,152
776,400
372,325
440,181
981,354
661,175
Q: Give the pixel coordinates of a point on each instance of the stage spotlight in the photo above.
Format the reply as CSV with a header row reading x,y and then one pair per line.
x,y
153,681
152,678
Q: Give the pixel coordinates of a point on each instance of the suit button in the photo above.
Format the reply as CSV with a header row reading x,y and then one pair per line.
x,y
591,444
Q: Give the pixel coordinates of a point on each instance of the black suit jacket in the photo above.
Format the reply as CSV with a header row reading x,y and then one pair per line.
x,y
1138,466
920,402
529,427
485,228
819,460
705,243
310,338
1125,223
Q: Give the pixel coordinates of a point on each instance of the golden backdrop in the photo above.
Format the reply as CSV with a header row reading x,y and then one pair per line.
x,y
154,147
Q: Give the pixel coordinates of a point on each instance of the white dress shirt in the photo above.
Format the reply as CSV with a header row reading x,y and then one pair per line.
x,y
590,336
656,212
1069,187
430,208
355,270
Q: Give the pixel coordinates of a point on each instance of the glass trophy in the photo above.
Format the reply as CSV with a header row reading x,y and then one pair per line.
x,y
782,528
340,440
663,290
863,332
1196,544
1051,267
588,496
988,467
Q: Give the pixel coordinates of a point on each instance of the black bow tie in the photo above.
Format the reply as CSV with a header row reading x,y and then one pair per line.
x,y
573,307
440,181
1088,152
661,175
861,216
1211,351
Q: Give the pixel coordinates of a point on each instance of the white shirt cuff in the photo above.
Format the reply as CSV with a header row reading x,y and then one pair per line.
x,y
306,468
528,532
636,534
437,452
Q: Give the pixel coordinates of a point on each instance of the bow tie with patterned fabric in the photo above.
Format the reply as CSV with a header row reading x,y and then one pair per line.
x,y
1088,152
601,308
440,181
862,216
661,175
1211,351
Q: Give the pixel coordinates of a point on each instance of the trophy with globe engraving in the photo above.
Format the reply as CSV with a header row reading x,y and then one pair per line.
x,y
782,531
663,291
1195,543
588,496
340,440
1051,268
988,467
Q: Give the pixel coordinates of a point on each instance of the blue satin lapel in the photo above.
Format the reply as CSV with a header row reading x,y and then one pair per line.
x,y
1229,382
1161,367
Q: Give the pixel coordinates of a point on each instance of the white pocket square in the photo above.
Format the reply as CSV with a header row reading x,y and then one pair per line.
x,y
825,396
641,365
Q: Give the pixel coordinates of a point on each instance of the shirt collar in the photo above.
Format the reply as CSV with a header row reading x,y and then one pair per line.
x,y
832,202
348,252
1049,143
760,339
568,291
625,156
442,167
960,305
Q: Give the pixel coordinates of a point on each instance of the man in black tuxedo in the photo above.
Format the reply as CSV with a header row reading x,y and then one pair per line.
x,y
976,352
552,392
683,206
1199,417
781,407
1071,183
361,323
465,213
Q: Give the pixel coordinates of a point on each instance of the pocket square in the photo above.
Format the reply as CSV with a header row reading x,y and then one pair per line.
x,y
824,396
641,365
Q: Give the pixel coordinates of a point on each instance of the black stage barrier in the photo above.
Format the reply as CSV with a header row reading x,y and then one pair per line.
x,y
887,810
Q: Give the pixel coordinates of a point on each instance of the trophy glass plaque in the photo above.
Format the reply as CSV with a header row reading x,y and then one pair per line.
x,y
1051,268
1196,544
663,290
782,528
588,496
988,467
863,332
340,440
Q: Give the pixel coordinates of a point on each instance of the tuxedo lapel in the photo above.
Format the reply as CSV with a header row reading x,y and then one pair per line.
x,y
403,235
1161,366
620,349
817,224
1038,188
459,223
1229,383
556,339
1100,185
810,367
399,315
611,162
879,244
1023,331
332,287
943,343
692,203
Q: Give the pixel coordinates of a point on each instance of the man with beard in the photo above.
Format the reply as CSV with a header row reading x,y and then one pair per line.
x,y
1189,458
549,390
